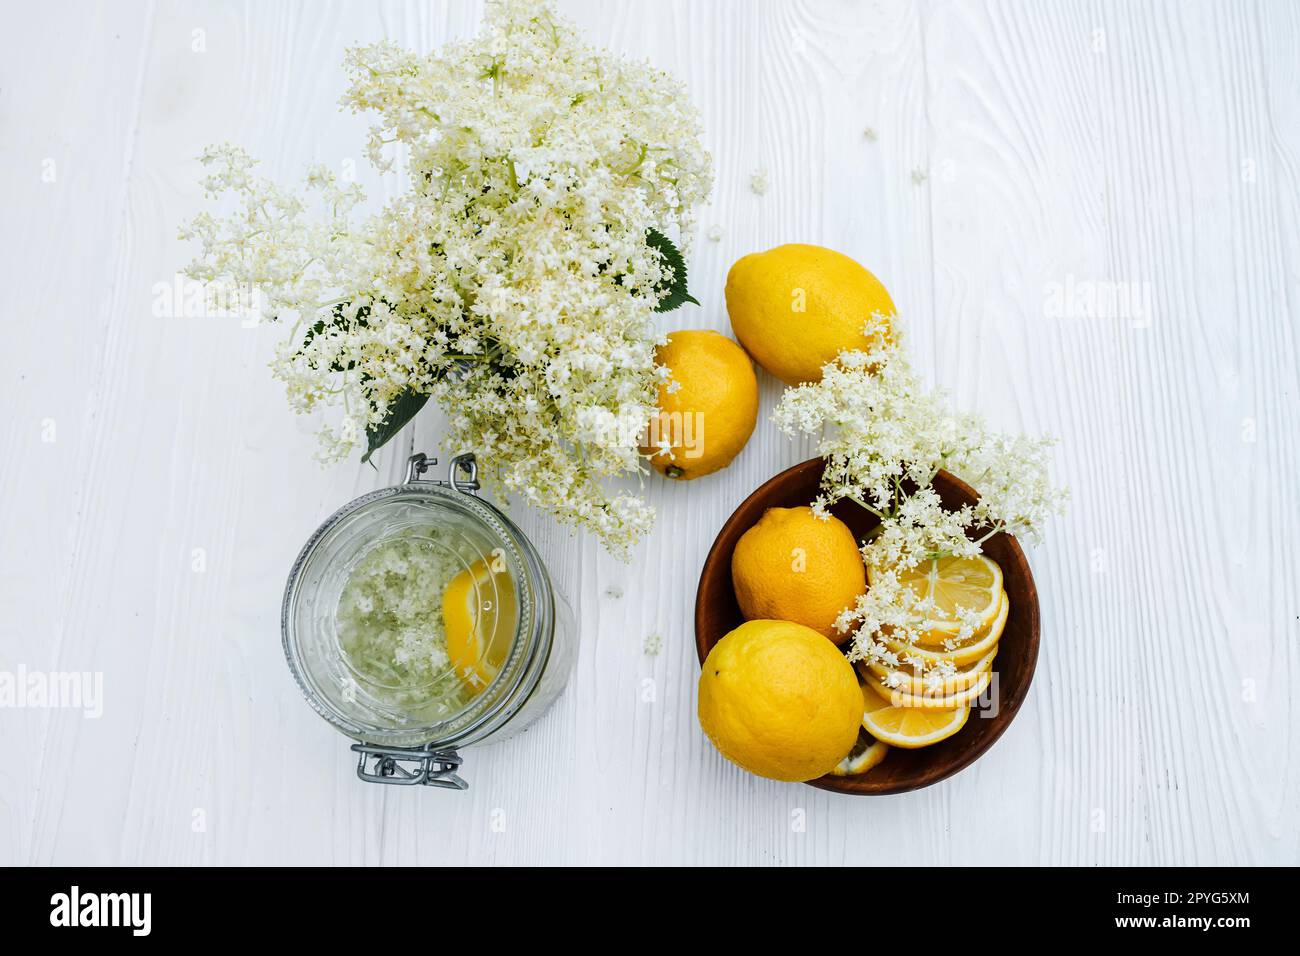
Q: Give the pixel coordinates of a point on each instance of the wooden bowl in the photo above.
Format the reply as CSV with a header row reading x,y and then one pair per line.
x,y
717,613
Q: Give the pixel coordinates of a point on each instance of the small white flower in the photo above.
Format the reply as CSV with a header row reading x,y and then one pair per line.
x,y
758,182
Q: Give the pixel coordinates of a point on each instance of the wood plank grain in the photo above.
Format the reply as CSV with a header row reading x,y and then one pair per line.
x,y
64,221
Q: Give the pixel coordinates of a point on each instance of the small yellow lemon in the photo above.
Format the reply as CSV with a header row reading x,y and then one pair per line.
x,y
795,307
480,614
793,566
779,700
707,409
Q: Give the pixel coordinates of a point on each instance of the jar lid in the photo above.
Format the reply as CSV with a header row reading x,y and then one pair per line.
x,y
415,615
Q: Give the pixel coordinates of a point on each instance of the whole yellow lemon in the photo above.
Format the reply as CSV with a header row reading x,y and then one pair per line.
x,y
794,566
707,408
779,700
795,307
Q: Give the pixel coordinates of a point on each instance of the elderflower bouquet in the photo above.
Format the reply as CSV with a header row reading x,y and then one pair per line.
x,y
515,282
884,439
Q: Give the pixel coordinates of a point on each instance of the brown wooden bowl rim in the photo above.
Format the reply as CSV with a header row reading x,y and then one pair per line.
x,y
1007,709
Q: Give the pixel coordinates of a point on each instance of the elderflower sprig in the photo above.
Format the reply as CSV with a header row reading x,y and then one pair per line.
x,y
884,439
515,282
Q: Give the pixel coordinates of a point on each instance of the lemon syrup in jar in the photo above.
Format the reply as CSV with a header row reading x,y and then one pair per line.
x,y
419,619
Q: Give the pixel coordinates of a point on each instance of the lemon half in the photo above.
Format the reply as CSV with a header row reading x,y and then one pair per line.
x,y
480,613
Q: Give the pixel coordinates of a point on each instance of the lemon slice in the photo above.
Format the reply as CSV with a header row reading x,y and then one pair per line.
x,y
973,584
914,683
480,614
968,653
910,727
867,753
930,700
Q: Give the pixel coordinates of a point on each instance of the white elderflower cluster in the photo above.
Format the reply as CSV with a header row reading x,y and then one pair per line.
x,y
387,631
884,438
515,282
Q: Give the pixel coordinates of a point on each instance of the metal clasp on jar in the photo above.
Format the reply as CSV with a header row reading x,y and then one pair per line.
x,y
432,768
462,474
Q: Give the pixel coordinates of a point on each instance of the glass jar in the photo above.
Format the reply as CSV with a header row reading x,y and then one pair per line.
x,y
409,722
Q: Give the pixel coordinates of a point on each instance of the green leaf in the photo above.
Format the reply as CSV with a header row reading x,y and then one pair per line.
x,y
399,413
672,294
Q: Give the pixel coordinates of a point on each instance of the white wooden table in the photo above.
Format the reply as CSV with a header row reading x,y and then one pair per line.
x,y
1089,213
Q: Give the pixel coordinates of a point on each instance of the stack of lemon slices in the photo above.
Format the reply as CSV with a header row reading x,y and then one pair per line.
x,y
928,699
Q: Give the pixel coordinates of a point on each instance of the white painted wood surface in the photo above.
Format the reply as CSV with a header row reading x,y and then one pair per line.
x,y
1015,151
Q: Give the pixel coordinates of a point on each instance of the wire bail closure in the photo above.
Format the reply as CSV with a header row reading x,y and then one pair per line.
x,y
462,473
392,765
